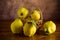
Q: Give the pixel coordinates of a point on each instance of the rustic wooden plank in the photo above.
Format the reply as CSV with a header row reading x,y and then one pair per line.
x,y
6,34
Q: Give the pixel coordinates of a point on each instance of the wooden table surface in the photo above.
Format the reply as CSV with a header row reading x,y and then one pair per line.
x,y
6,34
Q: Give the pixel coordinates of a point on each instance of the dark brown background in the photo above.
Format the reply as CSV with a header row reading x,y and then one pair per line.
x,y
50,8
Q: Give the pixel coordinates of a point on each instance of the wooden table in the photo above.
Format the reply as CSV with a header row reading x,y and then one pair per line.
x,y
6,34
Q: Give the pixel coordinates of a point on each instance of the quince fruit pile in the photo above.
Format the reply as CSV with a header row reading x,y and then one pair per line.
x,y
29,27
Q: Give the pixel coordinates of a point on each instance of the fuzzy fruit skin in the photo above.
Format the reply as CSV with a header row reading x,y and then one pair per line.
x,y
35,15
22,12
49,27
29,29
16,26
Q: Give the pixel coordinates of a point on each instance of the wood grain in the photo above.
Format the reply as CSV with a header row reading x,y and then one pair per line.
x,y
6,34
